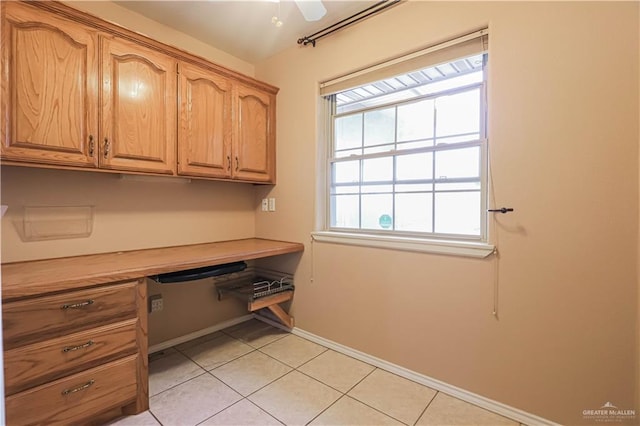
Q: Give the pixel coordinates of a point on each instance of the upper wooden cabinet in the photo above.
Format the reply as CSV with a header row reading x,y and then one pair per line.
x,y
49,89
138,108
81,92
254,135
204,134
226,128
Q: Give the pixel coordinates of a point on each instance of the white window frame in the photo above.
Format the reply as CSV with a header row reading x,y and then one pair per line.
x,y
469,246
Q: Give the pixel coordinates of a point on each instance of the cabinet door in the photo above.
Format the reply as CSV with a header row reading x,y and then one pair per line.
x,y
49,88
204,134
139,106
254,135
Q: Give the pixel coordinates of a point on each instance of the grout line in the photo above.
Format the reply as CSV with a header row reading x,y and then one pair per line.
x,y
330,405
232,390
426,408
366,404
361,380
154,416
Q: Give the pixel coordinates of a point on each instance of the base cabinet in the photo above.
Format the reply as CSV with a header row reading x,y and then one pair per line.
x,y
88,356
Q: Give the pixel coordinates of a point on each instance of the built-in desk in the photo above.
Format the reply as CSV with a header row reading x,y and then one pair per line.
x,y
75,328
24,279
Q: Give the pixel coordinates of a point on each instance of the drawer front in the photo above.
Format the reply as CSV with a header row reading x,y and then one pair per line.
x,y
38,363
77,397
42,318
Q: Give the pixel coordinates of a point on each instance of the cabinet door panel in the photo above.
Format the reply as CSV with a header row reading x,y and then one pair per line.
x,y
254,142
49,89
139,109
204,134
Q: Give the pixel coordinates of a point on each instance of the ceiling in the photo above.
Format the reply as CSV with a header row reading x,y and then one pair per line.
x,y
242,28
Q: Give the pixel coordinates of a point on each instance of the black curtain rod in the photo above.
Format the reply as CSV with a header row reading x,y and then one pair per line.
x,y
371,10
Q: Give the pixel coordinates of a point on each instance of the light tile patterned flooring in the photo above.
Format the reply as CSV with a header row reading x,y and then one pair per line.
x,y
255,374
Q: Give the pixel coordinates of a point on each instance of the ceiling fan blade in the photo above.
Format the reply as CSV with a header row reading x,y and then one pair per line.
x,y
312,10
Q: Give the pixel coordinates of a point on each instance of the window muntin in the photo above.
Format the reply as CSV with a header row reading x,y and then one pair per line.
x,y
411,161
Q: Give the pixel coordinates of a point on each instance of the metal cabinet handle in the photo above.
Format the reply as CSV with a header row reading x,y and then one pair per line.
x,y
75,348
237,163
91,146
228,163
77,305
79,388
106,148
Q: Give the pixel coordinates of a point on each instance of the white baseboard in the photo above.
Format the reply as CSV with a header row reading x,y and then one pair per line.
x,y
470,397
187,337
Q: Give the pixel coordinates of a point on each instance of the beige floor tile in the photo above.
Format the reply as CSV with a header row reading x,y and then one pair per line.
x,y
339,371
348,411
213,353
447,410
255,333
293,350
143,419
243,413
250,372
192,402
395,396
295,399
170,370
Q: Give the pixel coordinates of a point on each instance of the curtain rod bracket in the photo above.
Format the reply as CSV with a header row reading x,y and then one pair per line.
x,y
306,40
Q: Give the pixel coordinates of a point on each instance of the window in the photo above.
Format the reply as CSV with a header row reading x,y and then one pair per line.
x,y
407,153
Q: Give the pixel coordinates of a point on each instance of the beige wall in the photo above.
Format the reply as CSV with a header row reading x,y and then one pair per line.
x,y
563,128
133,214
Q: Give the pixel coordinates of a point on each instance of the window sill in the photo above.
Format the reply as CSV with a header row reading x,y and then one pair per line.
x,y
453,248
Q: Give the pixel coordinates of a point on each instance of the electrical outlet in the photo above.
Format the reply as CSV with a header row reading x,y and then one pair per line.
x,y
272,204
265,205
156,303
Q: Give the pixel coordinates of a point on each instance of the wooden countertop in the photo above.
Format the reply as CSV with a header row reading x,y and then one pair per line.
x,y
23,279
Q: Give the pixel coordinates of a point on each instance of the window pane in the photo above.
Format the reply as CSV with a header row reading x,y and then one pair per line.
x,y
377,169
379,126
415,121
458,213
346,171
458,163
414,166
458,114
377,211
348,131
414,212
344,211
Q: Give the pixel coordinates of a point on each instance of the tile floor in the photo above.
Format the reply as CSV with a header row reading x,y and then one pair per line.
x,y
255,374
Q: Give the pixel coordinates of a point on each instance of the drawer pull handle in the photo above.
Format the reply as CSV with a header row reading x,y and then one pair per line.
x,y
75,348
77,305
79,388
